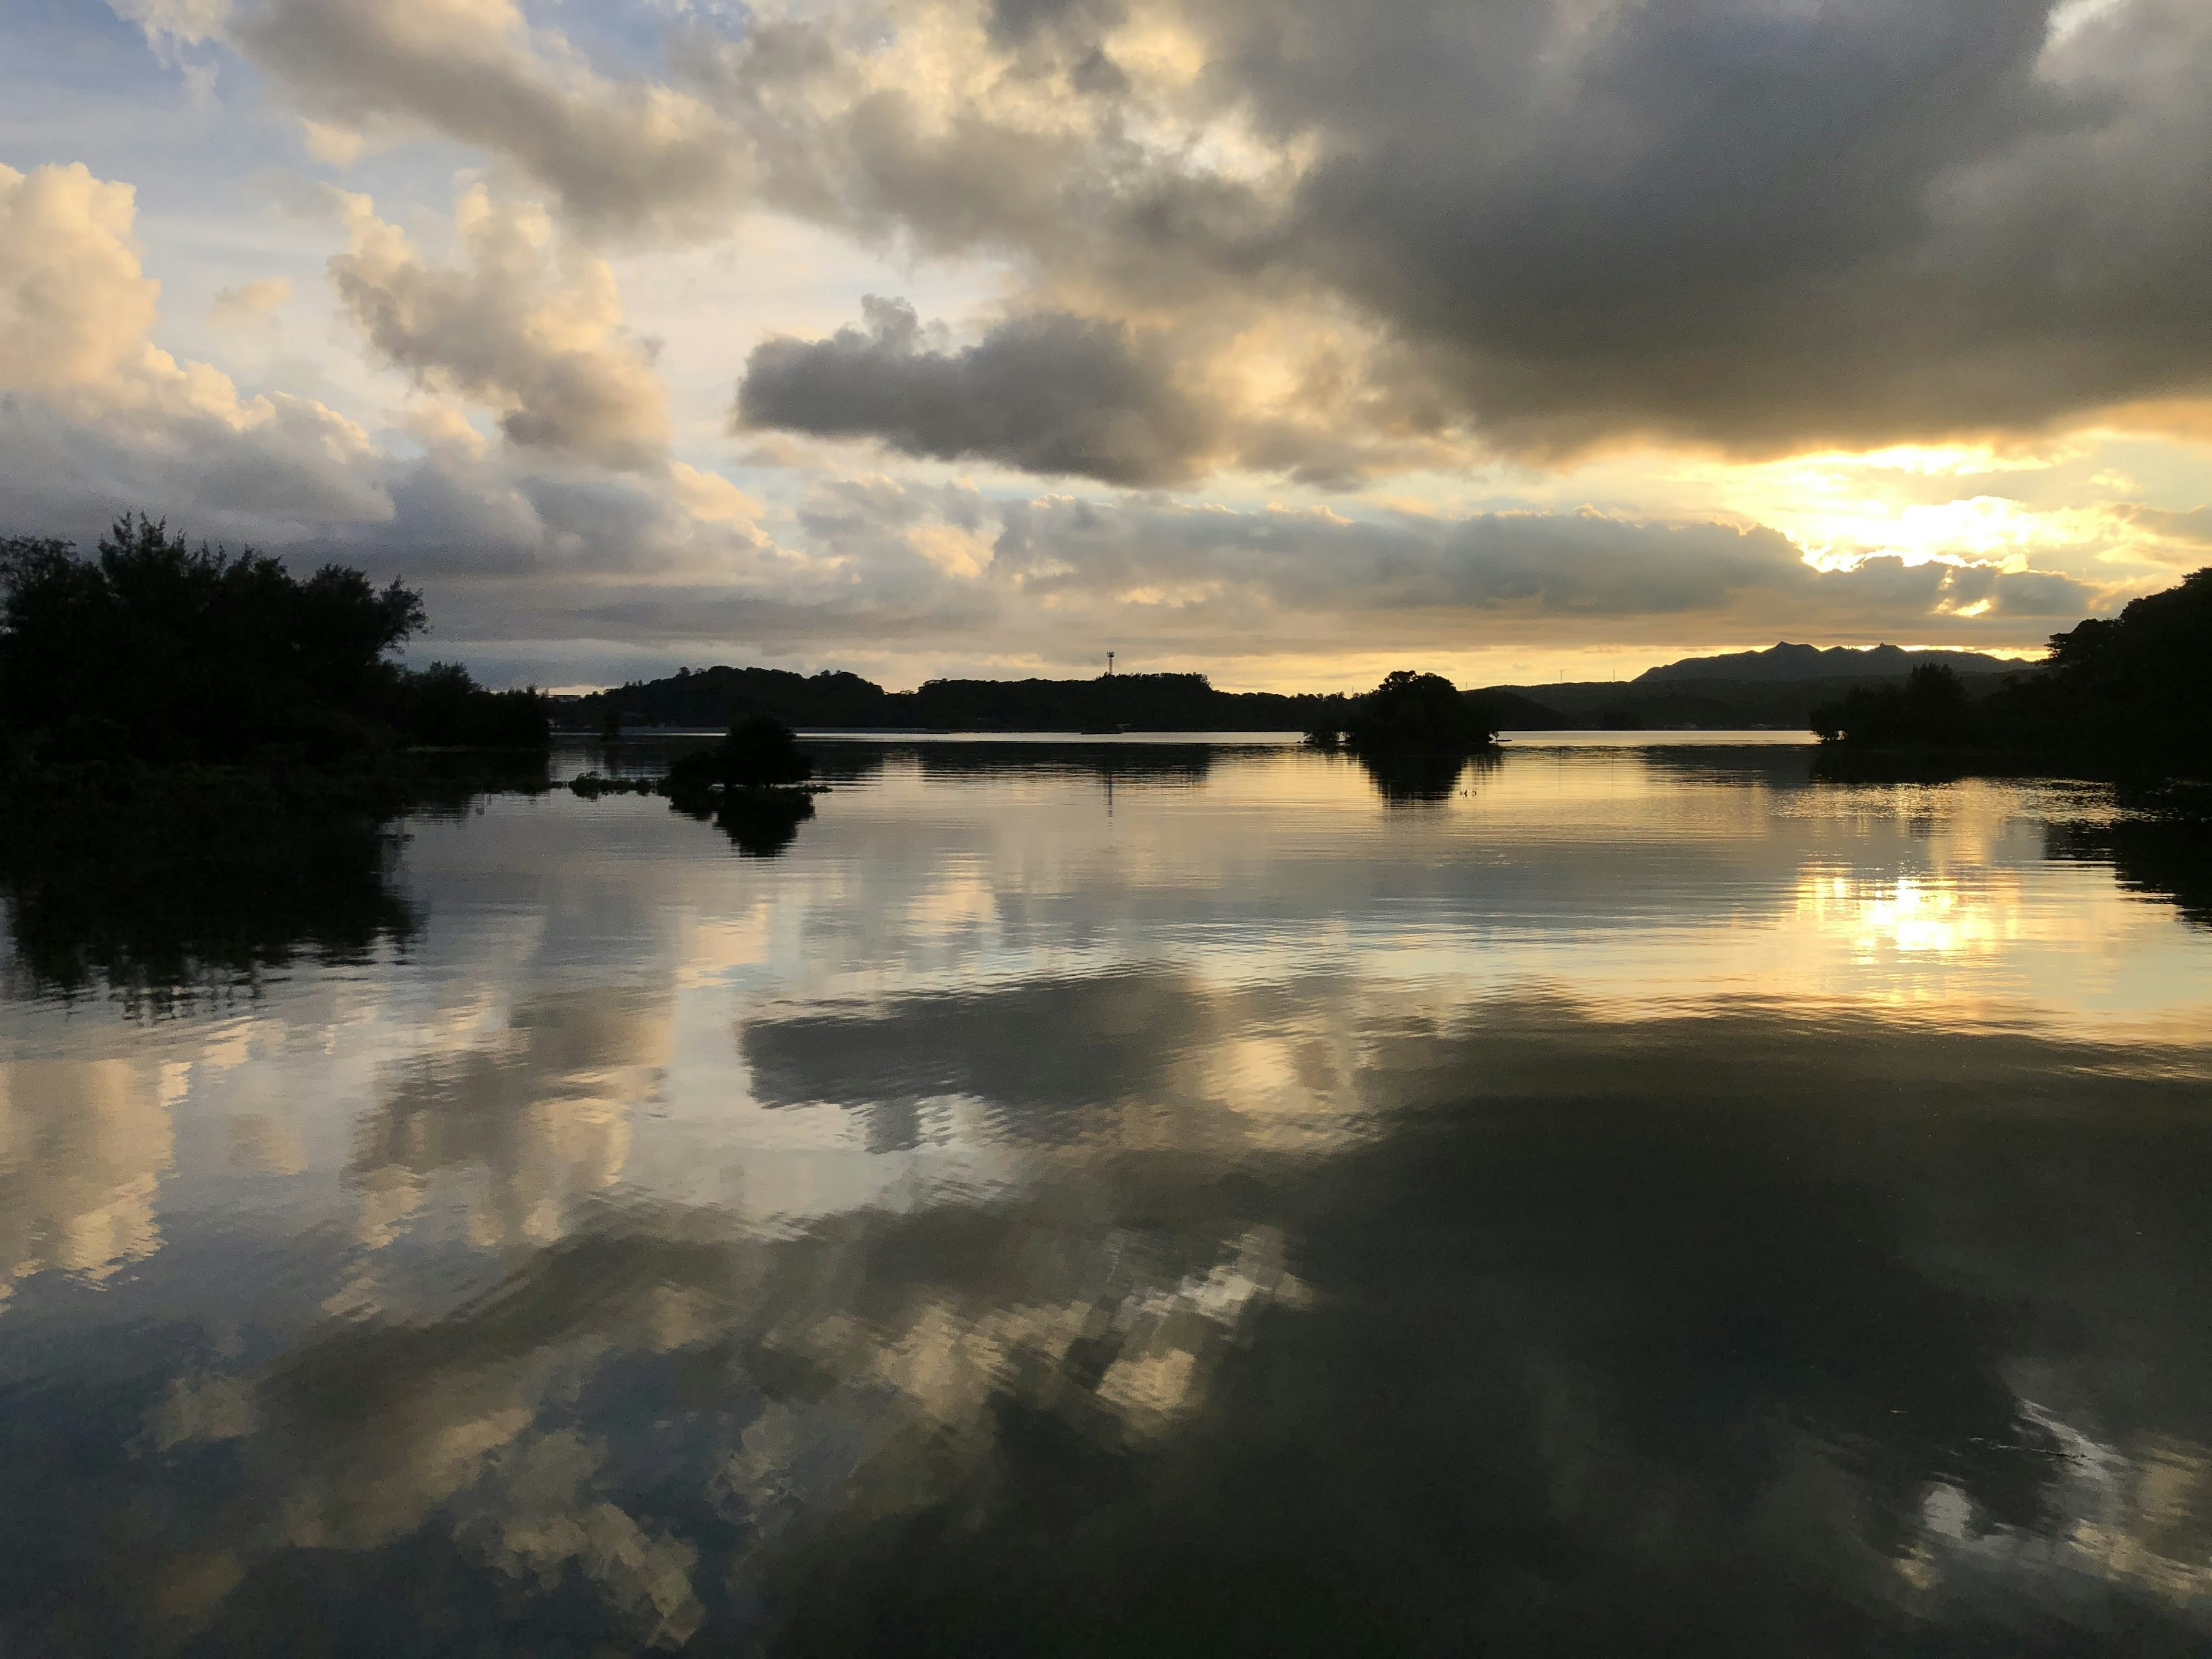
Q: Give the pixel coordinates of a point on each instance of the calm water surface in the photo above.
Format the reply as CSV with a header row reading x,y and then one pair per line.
x,y
1143,1197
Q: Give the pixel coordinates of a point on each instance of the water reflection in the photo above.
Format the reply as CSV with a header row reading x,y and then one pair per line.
x,y
83,1147
1410,776
2164,856
760,824
159,910
1147,1057
538,1110
856,759
1145,764
1597,1333
1647,1201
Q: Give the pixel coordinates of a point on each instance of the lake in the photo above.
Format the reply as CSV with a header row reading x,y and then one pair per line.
x,y
1622,1197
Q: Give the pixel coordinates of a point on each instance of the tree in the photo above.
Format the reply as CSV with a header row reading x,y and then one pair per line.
x,y
1410,712
157,652
1929,710
759,754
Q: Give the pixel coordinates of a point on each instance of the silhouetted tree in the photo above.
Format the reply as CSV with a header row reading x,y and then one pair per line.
x,y
158,653
762,823
1930,710
1410,712
759,753
748,783
2138,686
443,705
2128,696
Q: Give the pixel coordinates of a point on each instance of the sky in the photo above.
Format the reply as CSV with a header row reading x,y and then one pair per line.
x,y
1287,341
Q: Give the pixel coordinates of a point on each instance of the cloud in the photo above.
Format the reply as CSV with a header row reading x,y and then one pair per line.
x,y
1502,566
928,579
248,302
1758,223
1051,393
1542,226
617,151
567,536
103,418
1745,222
75,306
94,418
187,22
2171,538
518,326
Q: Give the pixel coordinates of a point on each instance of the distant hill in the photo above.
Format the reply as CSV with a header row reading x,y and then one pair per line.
x,y
1691,705
1810,662
1507,710
1774,689
2127,696
1777,688
1137,702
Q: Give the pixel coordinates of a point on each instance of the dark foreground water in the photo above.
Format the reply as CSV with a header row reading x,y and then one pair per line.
x,y
1140,1199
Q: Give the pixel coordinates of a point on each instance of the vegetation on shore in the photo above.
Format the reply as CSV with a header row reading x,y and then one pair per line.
x,y
200,751
154,653
1411,712
719,697
712,698
2128,696
755,784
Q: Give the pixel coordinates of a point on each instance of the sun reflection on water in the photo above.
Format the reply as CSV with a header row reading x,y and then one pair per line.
x,y
1907,914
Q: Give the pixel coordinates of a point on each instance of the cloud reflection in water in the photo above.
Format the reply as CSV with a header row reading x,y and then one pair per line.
x,y
1643,1199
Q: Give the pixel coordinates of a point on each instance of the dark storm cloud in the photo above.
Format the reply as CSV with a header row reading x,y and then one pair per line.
x,y
1758,222
1052,393
1763,223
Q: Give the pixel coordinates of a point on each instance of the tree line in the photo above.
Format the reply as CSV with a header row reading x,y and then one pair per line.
x,y
2131,694
719,696
153,653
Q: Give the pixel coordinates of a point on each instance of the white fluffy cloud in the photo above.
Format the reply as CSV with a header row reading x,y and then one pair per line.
x,y
530,330
74,306
104,418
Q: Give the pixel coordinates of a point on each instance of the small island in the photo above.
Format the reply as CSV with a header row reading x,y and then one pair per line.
x,y
754,784
1415,733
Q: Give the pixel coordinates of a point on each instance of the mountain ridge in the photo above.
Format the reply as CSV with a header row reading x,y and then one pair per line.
x,y
1783,661
1775,688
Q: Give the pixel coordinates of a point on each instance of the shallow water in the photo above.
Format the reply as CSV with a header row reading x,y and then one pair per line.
x,y
1128,1197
